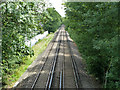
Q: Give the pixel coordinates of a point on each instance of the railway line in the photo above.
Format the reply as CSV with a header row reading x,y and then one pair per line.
x,y
59,69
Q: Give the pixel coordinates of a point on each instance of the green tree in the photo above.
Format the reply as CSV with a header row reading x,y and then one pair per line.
x,y
94,28
52,20
20,20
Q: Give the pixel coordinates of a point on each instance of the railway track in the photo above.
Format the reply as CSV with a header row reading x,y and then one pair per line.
x,y
74,65
59,69
38,75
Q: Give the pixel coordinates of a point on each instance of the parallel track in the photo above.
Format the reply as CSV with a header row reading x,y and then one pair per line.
x,y
38,75
74,65
51,73
60,38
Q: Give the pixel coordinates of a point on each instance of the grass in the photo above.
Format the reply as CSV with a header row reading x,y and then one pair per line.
x,y
38,48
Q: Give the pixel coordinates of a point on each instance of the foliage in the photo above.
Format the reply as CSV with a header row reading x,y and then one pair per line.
x,y
94,28
53,20
38,48
20,21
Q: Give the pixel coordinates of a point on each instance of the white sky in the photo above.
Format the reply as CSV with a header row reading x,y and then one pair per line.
x,y
57,4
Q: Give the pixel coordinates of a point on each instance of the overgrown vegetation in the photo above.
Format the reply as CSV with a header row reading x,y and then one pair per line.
x,y
20,21
38,48
53,20
94,27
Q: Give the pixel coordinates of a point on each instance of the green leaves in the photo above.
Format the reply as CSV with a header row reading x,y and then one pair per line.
x,y
20,20
94,28
52,20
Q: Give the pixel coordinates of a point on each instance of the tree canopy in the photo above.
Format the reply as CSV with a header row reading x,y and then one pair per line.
x,y
94,26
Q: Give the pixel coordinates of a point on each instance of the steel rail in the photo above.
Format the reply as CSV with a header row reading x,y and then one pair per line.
x,y
61,80
75,69
51,73
60,84
61,71
64,57
49,81
38,75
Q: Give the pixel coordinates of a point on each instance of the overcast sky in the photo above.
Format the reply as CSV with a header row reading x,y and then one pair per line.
x,y
57,4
